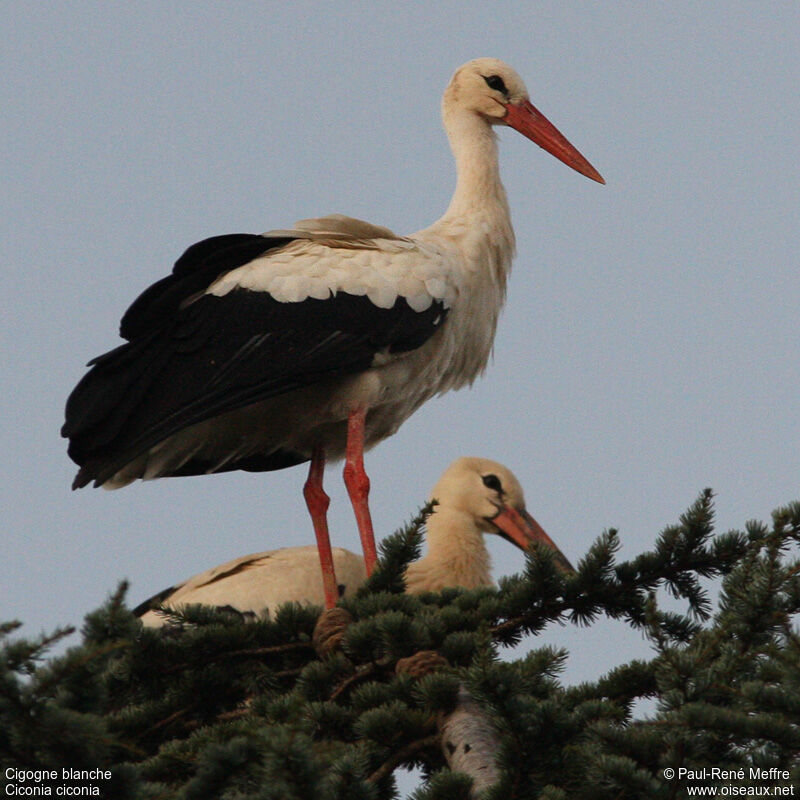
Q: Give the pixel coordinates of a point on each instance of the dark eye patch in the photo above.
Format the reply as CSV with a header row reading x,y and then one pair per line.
x,y
493,482
496,82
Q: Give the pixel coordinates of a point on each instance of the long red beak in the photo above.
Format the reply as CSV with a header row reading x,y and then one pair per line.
x,y
525,118
520,528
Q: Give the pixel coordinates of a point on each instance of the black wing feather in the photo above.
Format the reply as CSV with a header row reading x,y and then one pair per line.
x,y
194,271
190,359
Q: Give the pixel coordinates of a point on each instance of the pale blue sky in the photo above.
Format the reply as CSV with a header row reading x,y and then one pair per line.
x,y
649,344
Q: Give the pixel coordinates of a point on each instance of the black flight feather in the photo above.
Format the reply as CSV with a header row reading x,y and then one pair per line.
x,y
192,356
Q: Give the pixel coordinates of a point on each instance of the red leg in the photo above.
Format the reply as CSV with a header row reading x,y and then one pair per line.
x,y
318,502
357,482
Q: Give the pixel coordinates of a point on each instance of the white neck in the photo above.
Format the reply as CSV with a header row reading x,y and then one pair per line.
x,y
477,241
478,219
457,555
474,146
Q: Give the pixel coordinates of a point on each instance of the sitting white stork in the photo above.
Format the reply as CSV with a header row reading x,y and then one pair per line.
x,y
474,496
260,352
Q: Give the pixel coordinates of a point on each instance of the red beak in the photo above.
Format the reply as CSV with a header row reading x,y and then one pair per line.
x,y
520,528
524,117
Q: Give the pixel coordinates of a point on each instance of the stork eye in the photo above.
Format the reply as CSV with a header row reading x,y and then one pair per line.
x,y
493,482
496,82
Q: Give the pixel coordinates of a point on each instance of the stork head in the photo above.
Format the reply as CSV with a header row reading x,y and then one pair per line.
x,y
494,91
491,495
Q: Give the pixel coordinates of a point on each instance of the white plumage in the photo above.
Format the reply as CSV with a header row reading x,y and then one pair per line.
x,y
264,351
258,582
474,496
319,264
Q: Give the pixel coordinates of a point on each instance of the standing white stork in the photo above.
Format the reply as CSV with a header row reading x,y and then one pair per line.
x,y
473,497
260,352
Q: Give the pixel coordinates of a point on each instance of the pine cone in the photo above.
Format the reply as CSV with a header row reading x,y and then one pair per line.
x,y
330,629
421,663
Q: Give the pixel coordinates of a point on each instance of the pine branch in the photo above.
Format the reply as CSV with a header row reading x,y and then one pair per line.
x,y
402,756
220,706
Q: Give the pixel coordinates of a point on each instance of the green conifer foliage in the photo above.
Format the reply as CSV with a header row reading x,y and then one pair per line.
x,y
216,706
